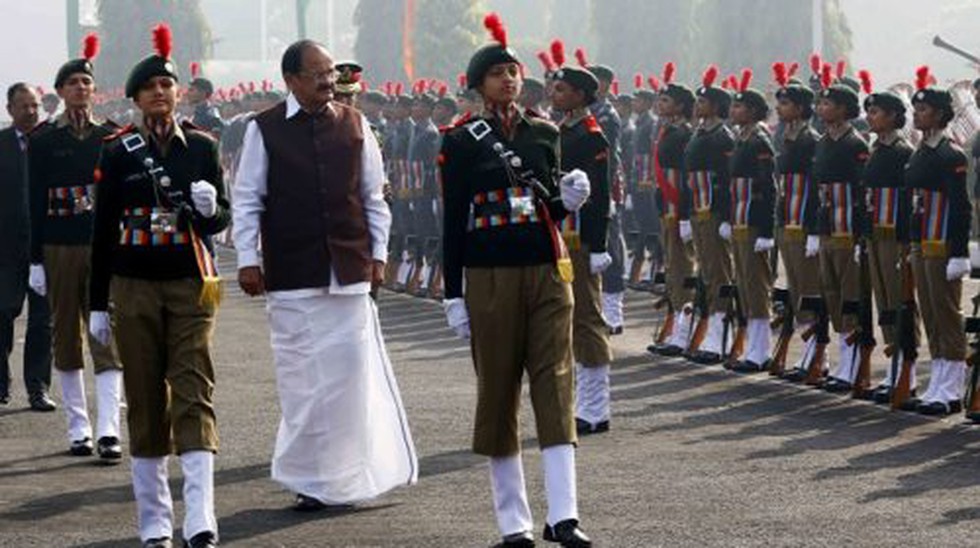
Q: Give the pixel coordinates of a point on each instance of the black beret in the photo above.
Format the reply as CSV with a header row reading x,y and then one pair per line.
x,y
146,69
939,99
720,97
755,100
485,58
845,96
796,93
448,102
603,73
203,84
680,93
75,66
374,96
885,100
533,84
580,79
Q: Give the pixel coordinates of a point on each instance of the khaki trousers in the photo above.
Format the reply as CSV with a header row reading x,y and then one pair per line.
x,y
752,274
802,272
521,320
679,263
884,255
164,339
67,269
590,335
714,256
839,279
939,302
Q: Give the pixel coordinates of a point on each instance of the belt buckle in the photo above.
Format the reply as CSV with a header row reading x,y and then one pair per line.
x,y
522,205
81,204
163,222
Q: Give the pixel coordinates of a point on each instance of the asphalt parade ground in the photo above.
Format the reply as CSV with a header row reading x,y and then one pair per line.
x,y
697,456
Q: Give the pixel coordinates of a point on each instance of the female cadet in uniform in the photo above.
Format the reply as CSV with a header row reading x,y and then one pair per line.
x,y
753,192
161,193
502,202
939,232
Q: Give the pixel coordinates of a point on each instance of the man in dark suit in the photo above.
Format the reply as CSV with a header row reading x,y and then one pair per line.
x,y
22,105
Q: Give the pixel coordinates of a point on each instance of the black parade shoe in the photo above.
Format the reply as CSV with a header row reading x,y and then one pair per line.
x,y
586,428
749,367
837,386
939,408
81,448
517,540
567,534
705,358
204,539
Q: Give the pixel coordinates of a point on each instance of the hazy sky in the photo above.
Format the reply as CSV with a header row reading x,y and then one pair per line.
x,y
891,37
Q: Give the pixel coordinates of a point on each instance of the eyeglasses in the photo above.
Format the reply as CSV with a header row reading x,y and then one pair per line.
x,y
329,76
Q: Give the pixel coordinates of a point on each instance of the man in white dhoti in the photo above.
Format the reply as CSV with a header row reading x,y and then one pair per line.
x,y
310,185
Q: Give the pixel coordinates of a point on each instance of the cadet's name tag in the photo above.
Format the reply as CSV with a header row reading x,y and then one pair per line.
x,y
163,222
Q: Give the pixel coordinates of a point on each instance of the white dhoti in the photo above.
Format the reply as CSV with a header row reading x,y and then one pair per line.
x,y
343,437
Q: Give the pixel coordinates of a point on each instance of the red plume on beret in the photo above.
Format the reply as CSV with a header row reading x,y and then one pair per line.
x,y
614,87
496,27
726,83
581,58
399,88
195,69
461,80
90,46
163,40
779,74
793,69
546,62
866,83
443,88
243,87
558,53
638,81
669,70
746,79
841,68
654,83
732,82
826,78
816,63
709,77
922,77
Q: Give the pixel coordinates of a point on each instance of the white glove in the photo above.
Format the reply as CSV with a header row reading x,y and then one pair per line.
x,y
957,267
812,245
457,317
763,245
599,262
575,190
205,198
686,232
435,206
36,280
99,327
629,202
857,254
725,231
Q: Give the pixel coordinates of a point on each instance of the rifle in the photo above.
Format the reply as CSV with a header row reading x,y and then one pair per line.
x,y
782,303
865,336
733,314
973,360
904,355
821,331
701,304
667,327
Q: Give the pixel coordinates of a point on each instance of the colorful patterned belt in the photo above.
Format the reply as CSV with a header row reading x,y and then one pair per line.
x,y
794,191
643,170
884,201
741,189
69,201
839,199
512,206
702,191
932,208
152,226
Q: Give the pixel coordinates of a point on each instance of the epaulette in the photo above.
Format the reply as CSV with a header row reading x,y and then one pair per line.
x,y
532,113
189,126
119,133
592,125
463,120
43,126
111,124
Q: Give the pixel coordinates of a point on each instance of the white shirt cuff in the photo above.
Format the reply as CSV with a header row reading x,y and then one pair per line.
x,y
248,258
380,253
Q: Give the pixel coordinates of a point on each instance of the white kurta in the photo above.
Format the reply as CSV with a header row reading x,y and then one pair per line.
x,y
343,436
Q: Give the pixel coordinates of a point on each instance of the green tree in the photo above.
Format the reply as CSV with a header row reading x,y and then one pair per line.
x,y
125,28
379,45
446,34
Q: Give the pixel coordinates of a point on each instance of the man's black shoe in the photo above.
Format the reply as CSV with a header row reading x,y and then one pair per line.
x,y
669,350
81,448
517,540
837,386
794,375
567,534
749,367
618,330
205,539
158,543
40,401
109,448
940,408
705,358
584,427
4,399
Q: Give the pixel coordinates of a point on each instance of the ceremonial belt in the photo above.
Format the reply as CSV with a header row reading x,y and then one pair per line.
x,y
932,207
670,179
68,201
839,199
642,164
496,208
700,183
211,290
794,190
152,226
741,189
884,202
